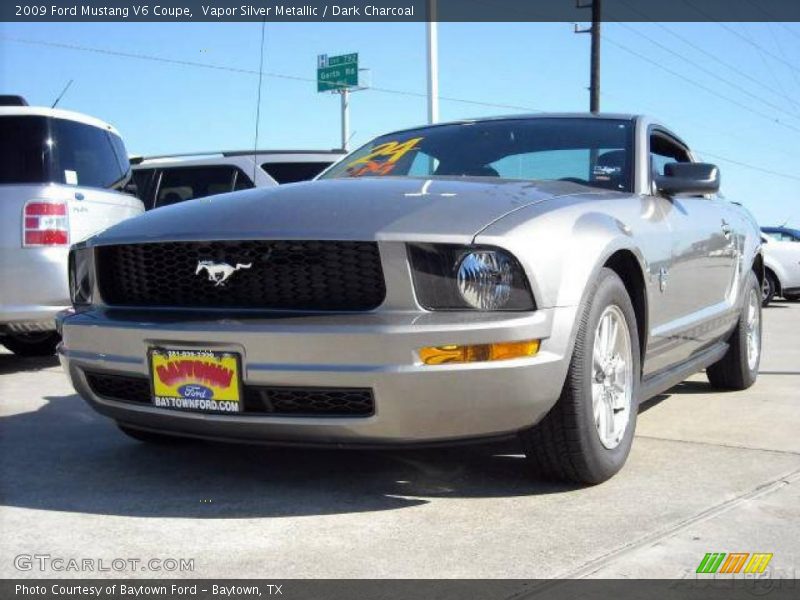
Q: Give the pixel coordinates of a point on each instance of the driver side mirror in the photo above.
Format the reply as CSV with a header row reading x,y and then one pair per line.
x,y
688,178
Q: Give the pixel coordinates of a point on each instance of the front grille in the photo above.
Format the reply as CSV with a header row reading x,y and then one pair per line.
x,y
309,401
119,387
265,400
283,275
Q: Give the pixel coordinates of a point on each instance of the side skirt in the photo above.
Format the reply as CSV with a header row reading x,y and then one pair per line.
x,y
663,380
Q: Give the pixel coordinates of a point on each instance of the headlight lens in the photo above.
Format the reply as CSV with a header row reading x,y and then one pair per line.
x,y
81,276
485,279
451,277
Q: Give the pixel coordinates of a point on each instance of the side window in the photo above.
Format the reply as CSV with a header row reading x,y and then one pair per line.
x,y
143,179
241,181
291,172
85,156
662,151
187,183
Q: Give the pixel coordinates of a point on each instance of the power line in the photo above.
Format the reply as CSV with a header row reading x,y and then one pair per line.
x,y
741,37
707,71
749,166
242,71
702,86
735,68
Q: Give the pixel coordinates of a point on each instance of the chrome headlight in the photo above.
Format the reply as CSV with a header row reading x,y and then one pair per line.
x,y
450,277
485,278
81,276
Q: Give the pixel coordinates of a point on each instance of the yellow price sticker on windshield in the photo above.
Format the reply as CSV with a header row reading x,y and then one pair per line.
x,y
383,158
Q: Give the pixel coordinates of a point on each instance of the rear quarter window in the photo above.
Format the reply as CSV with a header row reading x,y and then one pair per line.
x,y
291,172
85,155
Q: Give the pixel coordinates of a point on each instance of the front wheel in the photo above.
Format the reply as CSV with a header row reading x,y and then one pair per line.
x,y
32,344
738,369
586,437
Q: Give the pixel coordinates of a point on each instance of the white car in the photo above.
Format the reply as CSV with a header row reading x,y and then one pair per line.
x,y
61,174
163,180
781,269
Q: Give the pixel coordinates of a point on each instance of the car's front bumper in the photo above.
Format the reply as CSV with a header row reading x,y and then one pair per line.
x,y
414,403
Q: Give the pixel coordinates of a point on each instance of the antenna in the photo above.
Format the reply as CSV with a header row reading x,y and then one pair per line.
x,y
61,95
258,99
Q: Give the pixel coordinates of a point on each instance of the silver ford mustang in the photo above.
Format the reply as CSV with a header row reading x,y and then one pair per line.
x,y
535,277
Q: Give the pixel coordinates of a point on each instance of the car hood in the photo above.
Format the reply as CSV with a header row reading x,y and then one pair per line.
x,y
380,208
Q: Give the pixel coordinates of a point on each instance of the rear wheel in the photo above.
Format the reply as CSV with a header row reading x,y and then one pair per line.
x,y
738,369
151,437
32,344
768,288
586,437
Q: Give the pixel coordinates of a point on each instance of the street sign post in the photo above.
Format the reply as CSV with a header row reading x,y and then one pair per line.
x,y
337,73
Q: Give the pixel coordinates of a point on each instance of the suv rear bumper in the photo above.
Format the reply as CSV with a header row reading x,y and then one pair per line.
x,y
35,288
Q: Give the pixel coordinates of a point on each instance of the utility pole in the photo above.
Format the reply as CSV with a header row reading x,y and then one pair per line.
x,y
433,64
594,79
594,73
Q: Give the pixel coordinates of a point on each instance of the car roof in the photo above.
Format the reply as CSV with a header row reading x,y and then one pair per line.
x,y
320,155
56,113
525,116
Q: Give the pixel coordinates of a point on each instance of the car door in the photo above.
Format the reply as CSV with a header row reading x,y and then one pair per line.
x,y
698,281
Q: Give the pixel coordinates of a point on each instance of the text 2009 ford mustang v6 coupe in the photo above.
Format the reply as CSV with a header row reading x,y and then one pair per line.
x,y
529,276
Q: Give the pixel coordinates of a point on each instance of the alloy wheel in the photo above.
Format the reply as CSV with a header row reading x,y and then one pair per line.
x,y
612,377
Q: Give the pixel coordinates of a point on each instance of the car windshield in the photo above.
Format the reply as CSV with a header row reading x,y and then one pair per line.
x,y
37,149
595,152
785,234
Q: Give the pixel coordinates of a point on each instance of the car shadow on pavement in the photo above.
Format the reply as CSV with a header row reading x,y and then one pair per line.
x,y
685,387
11,363
65,457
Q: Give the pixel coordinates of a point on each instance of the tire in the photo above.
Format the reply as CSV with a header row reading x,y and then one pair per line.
x,y
567,445
769,288
738,369
32,344
150,437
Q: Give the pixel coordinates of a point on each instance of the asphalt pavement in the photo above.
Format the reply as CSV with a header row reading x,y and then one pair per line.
x,y
709,472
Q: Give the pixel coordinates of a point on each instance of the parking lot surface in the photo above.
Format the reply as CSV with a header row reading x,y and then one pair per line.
x,y
709,472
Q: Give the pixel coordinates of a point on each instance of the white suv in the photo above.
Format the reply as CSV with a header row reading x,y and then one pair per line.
x,y
163,180
60,176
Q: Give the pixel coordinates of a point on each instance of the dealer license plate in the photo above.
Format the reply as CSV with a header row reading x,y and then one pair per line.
x,y
196,380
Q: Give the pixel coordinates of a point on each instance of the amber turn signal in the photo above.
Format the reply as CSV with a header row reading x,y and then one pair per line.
x,y
442,355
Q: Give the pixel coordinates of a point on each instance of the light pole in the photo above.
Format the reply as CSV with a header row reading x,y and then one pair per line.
x,y
345,95
433,63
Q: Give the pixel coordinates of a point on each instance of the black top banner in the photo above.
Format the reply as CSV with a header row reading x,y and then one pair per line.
x,y
397,10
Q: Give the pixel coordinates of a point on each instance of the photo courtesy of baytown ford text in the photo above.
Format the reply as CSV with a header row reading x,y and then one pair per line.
x,y
399,299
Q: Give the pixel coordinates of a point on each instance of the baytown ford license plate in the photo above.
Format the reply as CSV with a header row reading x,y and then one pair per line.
x,y
196,380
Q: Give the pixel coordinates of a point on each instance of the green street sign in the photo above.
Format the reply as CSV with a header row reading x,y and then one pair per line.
x,y
337,72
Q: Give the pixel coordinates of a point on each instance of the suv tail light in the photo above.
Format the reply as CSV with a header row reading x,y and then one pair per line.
x,y
45,224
